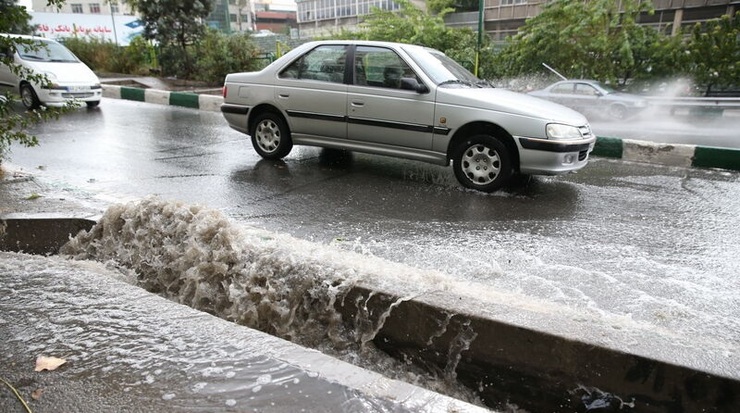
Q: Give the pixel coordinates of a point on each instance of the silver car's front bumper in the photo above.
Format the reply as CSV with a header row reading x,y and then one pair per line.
x,y
551,157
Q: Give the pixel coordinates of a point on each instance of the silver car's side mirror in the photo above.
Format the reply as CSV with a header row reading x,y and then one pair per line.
x,y
409,83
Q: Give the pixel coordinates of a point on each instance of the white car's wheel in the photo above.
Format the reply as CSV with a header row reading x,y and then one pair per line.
x,y
270,136
482,162
29,98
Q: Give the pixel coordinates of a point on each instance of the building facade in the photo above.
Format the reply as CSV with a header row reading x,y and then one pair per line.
x,y
325,17
503,18
106,7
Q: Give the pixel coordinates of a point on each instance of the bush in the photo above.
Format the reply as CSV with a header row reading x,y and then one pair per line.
x,y
220,54
96,53
106,56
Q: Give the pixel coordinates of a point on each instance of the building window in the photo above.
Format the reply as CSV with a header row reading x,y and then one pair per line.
x,y
76,8
512,2
95,8
114,8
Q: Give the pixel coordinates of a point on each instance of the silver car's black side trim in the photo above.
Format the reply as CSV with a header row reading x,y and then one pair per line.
x,y
317,116
369,122
552,146
236,109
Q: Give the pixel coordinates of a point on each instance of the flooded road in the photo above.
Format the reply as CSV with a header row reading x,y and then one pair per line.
x,y
639,246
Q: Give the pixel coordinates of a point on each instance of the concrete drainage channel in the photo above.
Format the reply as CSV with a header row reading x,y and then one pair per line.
x,y
500,352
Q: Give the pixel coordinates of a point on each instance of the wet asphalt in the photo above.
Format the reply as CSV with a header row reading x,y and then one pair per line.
x,y
556,238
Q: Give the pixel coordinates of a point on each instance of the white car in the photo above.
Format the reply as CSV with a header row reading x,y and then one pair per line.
x,y
405,101
68,77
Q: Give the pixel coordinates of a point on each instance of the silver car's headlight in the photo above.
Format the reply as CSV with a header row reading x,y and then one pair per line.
x,y
560,131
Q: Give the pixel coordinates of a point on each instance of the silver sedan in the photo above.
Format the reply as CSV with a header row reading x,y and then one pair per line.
x,y
405,101
593,98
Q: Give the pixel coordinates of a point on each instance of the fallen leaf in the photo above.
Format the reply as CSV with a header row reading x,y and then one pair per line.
x,y
36,394
48,363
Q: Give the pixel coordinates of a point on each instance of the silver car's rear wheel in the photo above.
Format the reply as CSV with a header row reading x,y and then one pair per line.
x,y
618,111
270,136
483,163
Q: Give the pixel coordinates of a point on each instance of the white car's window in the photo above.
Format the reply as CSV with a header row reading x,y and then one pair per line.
x,y
325,63
380,67
44,51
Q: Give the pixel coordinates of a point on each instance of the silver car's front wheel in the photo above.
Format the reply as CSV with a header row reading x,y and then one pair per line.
x,y
483,163
270,136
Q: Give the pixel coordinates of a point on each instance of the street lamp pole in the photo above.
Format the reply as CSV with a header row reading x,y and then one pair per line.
x,y
481,5
113,20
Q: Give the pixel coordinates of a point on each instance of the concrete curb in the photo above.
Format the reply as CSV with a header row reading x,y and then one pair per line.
x,y
191,100
668,154
625,149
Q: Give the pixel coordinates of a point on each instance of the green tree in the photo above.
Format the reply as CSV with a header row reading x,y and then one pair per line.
x,y
414,26
713,52
13,125
593,39
175,25
437,6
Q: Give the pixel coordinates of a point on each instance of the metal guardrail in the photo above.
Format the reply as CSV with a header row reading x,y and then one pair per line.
x,y
695,102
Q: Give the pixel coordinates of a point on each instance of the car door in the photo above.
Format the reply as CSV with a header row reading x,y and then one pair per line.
x,y
563,93
8,80
379,109
585,97
311,90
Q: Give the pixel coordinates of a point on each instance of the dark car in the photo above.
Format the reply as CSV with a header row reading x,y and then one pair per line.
x,y
593,98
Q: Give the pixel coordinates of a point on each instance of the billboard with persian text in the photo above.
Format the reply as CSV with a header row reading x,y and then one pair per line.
x,y
119,29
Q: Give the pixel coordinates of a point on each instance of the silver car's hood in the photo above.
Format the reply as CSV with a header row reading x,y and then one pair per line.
x,y
502,100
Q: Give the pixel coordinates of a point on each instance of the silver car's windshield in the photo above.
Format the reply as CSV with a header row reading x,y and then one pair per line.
x,y
445,71
43,51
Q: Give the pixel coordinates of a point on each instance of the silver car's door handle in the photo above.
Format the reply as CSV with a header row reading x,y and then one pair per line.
x,y
358,104
283,95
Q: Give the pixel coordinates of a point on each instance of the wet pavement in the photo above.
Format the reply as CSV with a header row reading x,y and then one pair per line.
x,y
567,240
127,350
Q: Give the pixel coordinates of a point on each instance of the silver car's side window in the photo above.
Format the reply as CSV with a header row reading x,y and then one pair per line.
x,y
325,63
380,67
585,90
565,89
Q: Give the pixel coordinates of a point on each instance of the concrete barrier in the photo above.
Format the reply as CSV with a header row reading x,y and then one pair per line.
x,y
532,369
42,234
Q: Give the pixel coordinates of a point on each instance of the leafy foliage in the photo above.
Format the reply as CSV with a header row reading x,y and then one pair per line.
x,y
713,52
582,40
220,54
14,19
174,25
107,56
414,26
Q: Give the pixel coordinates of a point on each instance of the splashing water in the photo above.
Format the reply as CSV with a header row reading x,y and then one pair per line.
x,y
271,282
